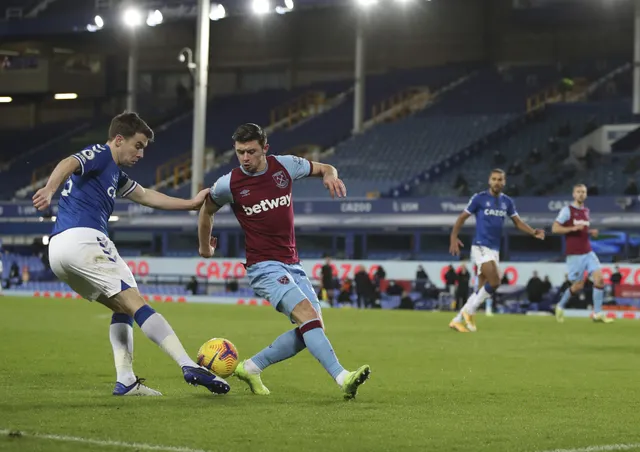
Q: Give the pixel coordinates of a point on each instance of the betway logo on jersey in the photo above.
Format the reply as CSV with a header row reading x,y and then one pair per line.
x,y
581,223
267,204
495,213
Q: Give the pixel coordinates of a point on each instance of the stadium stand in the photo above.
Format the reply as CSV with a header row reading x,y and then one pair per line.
x,y
533,151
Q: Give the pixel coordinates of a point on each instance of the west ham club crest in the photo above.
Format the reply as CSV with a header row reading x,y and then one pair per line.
x,y
282,181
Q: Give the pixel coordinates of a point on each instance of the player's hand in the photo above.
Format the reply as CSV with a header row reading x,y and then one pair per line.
x,y
199,199
577,228
335,186
539,234
42,199
455,245
594,233
211,248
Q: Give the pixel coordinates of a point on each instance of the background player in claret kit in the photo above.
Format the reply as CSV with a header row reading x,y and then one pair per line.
x,y
259,192
574,221
489,207
82,255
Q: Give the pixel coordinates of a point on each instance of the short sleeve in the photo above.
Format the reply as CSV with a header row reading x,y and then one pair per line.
x,y
297,167
93,159
564,215
511,208
126,185
472,207
220,193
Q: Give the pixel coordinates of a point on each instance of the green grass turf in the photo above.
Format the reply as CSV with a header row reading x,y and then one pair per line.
x,y
519,384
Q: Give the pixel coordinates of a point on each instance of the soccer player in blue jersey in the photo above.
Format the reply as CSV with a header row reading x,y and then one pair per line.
x,y
490,208
81,254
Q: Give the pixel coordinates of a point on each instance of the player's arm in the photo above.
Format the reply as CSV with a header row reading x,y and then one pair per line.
x,y
524,227
557,228
454,242
62,172
563,216
207,243
329,175
521,225
218,196
151,198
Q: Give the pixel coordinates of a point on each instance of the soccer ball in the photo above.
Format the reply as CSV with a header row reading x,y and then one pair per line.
x,y
218,355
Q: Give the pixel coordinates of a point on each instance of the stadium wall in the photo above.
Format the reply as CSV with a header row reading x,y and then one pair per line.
x,y
223,269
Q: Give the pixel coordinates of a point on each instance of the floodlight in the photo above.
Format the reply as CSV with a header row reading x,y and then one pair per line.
x,y
217,12
132,17
154,18
260,6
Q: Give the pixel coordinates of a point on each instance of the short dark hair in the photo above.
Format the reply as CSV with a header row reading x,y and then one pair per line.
x,y
250,132
127,124
499,171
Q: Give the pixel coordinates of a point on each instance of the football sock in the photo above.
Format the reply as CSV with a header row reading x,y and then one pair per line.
x,y
285,346
341,376
598,298
459,318
489,308
480,297
121,337
320,347
565,298
156,328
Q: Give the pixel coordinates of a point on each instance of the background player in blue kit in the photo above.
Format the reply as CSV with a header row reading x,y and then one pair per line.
x,y
490,208
82,255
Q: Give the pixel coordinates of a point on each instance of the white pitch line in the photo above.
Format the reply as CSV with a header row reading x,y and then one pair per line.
x,y
604,448
98,442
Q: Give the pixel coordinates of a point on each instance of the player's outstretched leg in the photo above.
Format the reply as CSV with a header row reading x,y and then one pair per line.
x,y
156,328
598,298
318,344
285,346
574,289
121,337
489,270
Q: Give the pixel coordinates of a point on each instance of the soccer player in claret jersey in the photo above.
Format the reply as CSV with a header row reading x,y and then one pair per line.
x,y
573,220
81,254
489,207
259,192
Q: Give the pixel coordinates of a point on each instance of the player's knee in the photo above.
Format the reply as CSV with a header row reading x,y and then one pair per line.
x,y
127,301
598,280
577,286
304,312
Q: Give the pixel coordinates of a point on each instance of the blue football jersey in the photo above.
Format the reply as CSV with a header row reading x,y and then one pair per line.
x,y
490,212
88,197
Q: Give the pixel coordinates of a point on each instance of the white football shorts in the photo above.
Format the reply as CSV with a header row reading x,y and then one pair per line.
x,y
89,263
482,254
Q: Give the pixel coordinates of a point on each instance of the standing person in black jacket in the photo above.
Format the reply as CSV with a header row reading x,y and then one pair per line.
x,y
462,290
364,288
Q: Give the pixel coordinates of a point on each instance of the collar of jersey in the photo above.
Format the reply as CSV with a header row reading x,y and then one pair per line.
x,y
260,173
576,207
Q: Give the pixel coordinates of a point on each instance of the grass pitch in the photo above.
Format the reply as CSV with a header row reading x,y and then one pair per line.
x,y
519,384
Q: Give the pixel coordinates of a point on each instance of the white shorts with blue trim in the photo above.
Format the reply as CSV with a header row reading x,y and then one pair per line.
x,y
283,285
482,254
89,263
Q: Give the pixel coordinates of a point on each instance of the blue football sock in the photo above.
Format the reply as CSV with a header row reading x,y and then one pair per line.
x,y
598,298
565,298
320,347
285,346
